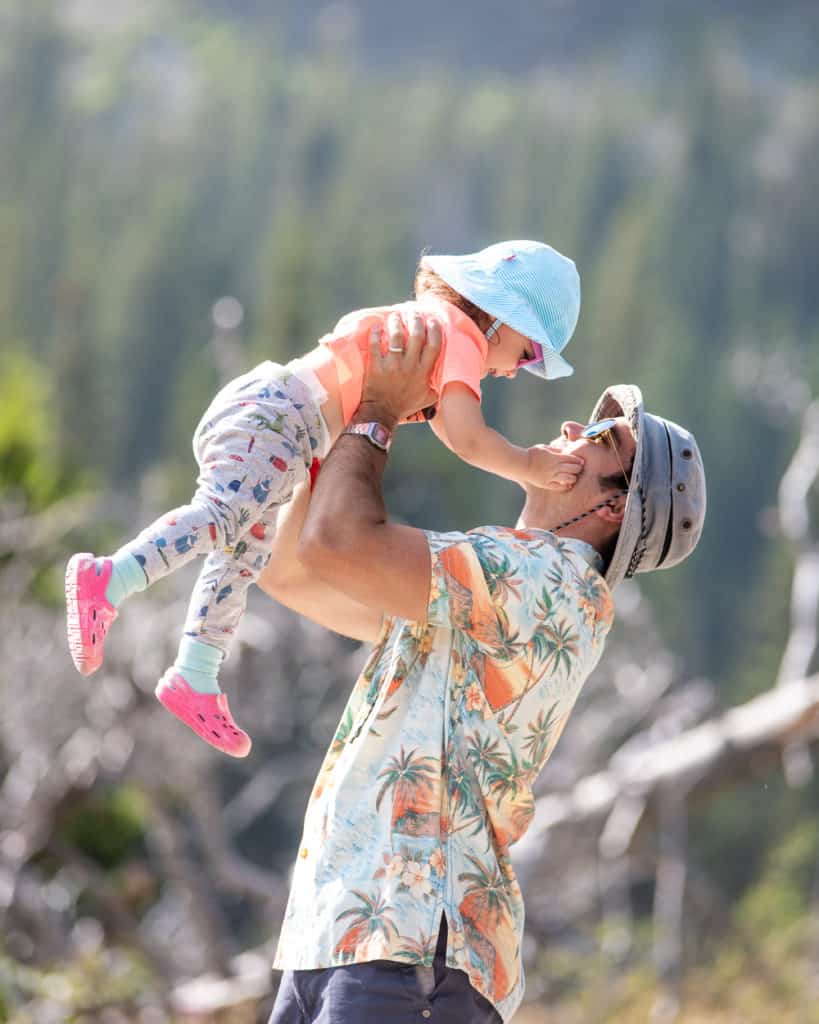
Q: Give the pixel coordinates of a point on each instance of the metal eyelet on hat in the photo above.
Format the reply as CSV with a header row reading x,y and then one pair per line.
x,y
686,453
680,487
686,524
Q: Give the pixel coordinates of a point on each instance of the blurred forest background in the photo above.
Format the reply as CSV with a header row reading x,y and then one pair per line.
x,y
189,187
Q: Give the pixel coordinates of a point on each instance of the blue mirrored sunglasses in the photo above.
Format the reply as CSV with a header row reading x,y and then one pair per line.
x,y
595,431
603,430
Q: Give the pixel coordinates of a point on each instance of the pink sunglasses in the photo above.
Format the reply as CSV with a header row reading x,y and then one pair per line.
x,y
536,358
536,346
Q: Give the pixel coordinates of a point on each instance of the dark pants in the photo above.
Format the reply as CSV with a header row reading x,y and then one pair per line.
x,y
382,992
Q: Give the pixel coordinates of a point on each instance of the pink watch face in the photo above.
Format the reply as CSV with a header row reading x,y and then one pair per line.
x,y
380,434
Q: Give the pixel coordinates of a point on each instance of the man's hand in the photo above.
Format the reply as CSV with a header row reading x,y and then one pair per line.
x,y
396,380
347,539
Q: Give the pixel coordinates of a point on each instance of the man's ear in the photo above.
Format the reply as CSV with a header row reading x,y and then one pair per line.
x,y
613,513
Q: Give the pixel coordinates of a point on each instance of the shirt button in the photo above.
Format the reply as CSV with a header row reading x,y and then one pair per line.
x,y
303,852
426,1013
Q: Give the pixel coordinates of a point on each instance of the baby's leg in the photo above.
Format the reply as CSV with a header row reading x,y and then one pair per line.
x,y
190,689
246,492
220,595
238,480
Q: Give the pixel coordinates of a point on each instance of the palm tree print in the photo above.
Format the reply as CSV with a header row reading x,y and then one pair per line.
x,y
541,737
594,601
371,918
415,788
544,608
464,811
484,754
541,652
420,951
509,802
471,605
560,585
488,921
562,646
500,575
506,778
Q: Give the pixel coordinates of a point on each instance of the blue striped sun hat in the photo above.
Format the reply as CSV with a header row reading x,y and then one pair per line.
x,y
528,285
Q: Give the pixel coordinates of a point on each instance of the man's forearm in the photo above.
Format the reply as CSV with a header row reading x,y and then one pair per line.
x,y
347,539
289,582
347,499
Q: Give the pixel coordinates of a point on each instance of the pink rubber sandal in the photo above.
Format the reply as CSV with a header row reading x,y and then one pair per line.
x,y
207,714
88,612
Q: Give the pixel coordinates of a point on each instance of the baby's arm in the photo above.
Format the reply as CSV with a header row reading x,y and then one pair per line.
x,y
459,423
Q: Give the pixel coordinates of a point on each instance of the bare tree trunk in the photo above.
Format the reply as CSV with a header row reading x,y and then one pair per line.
x,y
669,894
794,518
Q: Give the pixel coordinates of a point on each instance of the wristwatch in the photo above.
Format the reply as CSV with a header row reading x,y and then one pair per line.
x,y
376,433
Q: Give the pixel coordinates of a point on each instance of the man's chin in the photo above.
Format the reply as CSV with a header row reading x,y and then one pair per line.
x,y
538,508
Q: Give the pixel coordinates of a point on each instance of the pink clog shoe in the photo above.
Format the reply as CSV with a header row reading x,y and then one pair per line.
x,y
88,612
207,714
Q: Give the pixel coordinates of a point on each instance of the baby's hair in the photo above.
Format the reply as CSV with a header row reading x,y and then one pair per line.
x,y
427,282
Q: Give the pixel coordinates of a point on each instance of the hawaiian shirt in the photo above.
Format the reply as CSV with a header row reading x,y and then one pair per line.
x,y
429,778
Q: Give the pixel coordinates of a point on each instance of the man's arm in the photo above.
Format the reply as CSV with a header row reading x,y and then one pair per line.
x,y
288,581
347,539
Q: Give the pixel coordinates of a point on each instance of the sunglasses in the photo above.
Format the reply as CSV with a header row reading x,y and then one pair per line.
x,y
604,430
536,358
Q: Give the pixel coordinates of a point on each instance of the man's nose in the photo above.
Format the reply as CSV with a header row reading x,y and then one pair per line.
x,y
571,430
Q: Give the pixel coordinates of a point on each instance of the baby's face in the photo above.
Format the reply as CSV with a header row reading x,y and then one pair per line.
x,y
506,349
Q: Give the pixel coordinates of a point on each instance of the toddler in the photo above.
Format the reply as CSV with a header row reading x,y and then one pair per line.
x,y
512,305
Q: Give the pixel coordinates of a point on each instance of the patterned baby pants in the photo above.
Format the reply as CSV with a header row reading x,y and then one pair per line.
x,y
256,441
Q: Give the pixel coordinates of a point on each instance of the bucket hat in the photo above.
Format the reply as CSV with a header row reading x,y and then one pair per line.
x,y
665,506
528,285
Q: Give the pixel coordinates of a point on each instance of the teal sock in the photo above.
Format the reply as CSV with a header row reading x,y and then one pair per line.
x,y
199,664
127,578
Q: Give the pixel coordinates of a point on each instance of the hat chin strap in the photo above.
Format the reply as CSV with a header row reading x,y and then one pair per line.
x,y
602,504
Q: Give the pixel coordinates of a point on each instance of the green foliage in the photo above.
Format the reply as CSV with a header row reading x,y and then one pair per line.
x,y
80,990
778,899
109,825
29,466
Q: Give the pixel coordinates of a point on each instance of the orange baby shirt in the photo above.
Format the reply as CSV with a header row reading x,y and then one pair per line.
x,y
463,350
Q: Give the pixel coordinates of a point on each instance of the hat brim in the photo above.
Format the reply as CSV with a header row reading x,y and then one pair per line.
x,y
550,367
625,400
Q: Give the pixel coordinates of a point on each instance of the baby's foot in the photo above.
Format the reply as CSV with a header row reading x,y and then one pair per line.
x,y
207,714
89,614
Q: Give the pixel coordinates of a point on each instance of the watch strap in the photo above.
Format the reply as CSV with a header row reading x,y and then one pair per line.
x,y
376,433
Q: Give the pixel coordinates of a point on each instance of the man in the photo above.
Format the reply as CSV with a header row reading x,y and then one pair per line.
x,y
404,904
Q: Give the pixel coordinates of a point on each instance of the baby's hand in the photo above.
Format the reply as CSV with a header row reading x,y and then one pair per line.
x,y
552,469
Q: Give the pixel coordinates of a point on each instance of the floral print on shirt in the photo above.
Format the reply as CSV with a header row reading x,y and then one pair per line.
x,y
429,777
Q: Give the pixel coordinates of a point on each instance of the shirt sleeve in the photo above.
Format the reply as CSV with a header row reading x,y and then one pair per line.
x,y
461,362
493,590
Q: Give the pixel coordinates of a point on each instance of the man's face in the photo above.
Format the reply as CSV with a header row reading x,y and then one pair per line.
x,y
605,457
599,480
602,473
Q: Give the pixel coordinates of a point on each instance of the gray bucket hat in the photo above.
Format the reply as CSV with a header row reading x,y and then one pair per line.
x,y
665,507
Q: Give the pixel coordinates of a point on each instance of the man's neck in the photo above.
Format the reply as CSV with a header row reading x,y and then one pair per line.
x,y
542,511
